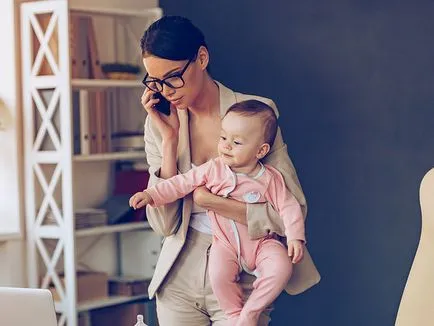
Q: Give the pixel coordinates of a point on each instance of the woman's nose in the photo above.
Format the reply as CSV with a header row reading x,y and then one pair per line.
x,y
167,91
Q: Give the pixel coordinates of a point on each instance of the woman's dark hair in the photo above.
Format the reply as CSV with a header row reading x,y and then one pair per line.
x,y
173,38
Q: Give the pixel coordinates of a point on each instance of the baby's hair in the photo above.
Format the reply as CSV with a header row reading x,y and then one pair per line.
x,y
251,108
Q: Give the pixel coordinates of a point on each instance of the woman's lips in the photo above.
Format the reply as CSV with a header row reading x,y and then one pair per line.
x,y
177,101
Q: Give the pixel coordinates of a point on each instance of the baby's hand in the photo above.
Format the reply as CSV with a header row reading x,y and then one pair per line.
x,y
295,250
140,199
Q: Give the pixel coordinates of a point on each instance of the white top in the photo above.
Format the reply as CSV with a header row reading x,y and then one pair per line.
x,y
199,219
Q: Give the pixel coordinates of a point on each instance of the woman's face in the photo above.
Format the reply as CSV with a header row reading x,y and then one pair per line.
x,y
193,77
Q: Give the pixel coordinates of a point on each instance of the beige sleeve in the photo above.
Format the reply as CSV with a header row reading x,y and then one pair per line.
x,y
164,219
262,218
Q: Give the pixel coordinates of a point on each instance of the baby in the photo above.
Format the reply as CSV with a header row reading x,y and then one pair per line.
x,y
247,133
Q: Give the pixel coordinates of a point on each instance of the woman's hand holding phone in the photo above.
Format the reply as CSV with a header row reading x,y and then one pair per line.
x,y
168,125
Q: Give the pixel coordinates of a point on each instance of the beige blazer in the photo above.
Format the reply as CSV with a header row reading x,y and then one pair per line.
x,y
172,220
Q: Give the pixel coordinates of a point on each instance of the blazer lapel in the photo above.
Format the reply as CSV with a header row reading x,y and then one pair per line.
x,y
184,164
227,98
184,157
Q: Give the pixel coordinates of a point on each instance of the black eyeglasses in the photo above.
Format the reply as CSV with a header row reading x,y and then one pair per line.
x,y
172,81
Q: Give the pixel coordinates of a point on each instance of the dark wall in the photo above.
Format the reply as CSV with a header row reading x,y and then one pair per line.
x,y
354,82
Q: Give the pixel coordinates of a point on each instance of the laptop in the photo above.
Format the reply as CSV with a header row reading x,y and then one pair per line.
x,y
24,307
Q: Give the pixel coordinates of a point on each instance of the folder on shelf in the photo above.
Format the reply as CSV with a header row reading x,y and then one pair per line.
x,y
76,121
101,122
84,122
95,70
83,48
105,123
74,23
92,123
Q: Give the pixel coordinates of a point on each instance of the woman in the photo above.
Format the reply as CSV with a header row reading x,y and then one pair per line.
x,y
176,59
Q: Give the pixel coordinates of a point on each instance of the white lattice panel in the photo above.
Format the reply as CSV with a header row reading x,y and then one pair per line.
x,y
48,158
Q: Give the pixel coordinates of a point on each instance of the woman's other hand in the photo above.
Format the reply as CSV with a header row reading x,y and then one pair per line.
x,y
167,125
201,196
227,207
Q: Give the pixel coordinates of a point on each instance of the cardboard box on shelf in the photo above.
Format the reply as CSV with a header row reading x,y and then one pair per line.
x,y
90,286
128,285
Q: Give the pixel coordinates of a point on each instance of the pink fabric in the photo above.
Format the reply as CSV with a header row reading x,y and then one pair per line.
x,y
274,267
218,178
267,255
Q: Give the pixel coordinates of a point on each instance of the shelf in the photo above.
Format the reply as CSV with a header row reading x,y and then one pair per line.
x,y
107,229
151,12
115,156
101,303
9,236
105,83
54,231
107,302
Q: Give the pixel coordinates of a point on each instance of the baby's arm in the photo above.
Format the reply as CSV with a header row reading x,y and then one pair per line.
x,y
173,188
290,211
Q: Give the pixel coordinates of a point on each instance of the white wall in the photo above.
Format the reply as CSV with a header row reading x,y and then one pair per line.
x,y
10,121
12,264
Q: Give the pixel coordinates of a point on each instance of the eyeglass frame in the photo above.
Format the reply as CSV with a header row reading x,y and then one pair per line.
x,y
163,81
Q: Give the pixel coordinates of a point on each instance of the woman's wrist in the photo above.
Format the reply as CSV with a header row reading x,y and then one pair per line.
x,y
227,207
170,144
168,162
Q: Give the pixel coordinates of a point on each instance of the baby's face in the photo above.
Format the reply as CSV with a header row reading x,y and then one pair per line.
x,y
240,140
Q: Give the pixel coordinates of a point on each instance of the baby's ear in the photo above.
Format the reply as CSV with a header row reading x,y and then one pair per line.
x,y
263,150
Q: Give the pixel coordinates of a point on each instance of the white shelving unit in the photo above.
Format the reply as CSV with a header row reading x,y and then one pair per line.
x,y
50,173
104,83
110,156
112,301
112,229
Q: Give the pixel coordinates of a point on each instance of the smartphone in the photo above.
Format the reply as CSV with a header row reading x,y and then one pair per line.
x,y
163,105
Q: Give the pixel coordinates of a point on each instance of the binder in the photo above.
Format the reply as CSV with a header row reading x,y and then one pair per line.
x,y
92,123
74,50
83,48
99,113
76,121
105,123
95,70
84,122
